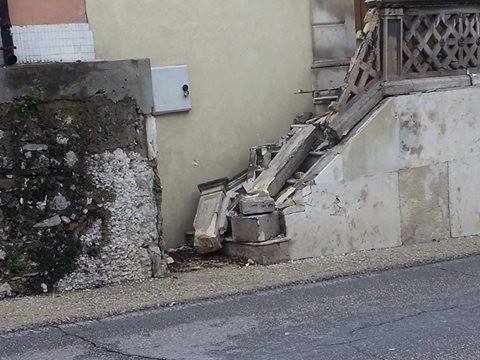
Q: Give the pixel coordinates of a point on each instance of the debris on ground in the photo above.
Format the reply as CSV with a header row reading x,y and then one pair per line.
x,y
250,205
211,216
5,291
243,216
186,259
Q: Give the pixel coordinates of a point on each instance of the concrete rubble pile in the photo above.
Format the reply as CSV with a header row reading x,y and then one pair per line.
x,y
243,215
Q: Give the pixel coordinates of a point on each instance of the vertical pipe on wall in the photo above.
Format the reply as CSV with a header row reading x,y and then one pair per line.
x,y
8,47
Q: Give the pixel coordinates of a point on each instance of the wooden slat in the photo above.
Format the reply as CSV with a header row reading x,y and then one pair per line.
x,y
365,68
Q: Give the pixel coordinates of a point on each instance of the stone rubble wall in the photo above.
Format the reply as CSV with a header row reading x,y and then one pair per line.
x,y
409,173
79,196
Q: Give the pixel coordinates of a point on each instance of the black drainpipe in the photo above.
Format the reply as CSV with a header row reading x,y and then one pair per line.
x,y
8,47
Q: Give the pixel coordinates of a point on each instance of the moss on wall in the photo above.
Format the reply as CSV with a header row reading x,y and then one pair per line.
x,y
50,201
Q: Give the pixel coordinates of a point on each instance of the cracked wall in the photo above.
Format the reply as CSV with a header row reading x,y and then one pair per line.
x,y
407,174
79,196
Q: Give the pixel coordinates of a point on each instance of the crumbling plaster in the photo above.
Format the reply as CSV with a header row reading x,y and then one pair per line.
x,y
131,225
407,174
79,191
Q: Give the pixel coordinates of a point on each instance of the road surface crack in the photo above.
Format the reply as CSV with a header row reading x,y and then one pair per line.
x,y
401,318
106,348
456,272
350,343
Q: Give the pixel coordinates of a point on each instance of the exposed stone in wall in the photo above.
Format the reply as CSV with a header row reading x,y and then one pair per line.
x,y
131,225
78,195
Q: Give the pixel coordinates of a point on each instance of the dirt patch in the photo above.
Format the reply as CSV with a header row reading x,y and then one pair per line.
x,y
187,260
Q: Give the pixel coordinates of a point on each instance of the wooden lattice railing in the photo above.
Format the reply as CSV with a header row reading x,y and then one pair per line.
x,y
365,70
440,41
406,39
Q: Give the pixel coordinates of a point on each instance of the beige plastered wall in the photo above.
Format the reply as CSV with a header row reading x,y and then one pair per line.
x,y
42,12
246,58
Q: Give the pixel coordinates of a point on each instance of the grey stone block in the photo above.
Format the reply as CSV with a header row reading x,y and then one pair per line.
x,y
208,222
424,204
263,253
250,205
5,291
256,228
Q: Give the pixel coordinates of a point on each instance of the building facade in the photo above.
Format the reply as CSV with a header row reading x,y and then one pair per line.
x,y
245,62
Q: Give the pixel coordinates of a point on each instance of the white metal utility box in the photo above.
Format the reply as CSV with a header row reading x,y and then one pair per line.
x,y
171,89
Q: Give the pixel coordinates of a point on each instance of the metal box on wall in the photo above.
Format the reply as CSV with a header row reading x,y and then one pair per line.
x,y
171,89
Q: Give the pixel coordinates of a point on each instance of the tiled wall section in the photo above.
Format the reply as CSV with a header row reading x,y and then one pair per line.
x,y
62,42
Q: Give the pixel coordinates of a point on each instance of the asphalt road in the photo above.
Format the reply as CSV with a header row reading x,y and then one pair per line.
x,y
429,312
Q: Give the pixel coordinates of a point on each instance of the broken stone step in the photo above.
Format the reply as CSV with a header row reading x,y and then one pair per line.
x,y
251,205
263,253
210,222
256,228
285,163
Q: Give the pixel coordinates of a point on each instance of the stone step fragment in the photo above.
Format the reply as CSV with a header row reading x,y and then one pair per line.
x,y
285,163
210,218
256,228
263,253
251,205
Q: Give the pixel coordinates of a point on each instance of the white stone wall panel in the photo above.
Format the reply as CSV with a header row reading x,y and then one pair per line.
x,y
409,173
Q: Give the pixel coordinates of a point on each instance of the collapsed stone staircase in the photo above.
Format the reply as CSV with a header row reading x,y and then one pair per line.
x,y
245,215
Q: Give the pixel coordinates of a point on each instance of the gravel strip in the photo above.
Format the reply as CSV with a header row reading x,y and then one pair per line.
x,y
36,311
